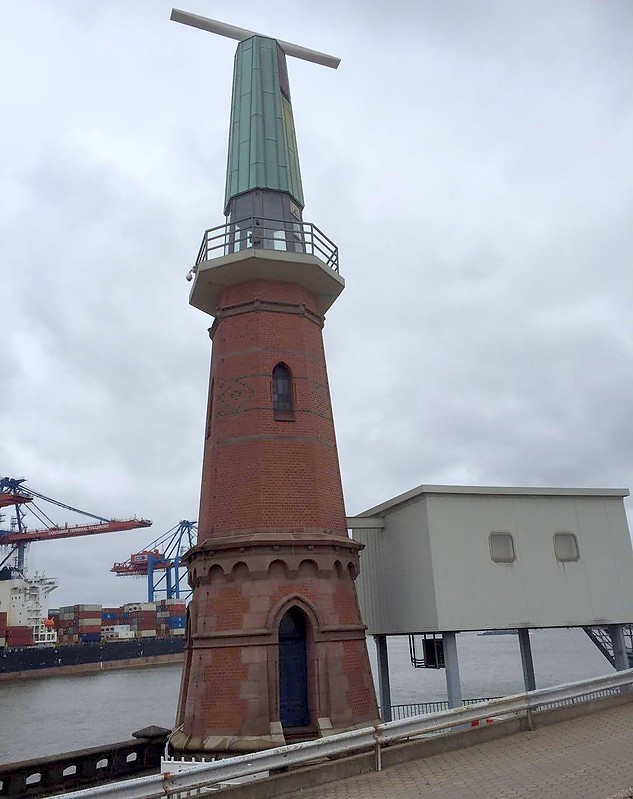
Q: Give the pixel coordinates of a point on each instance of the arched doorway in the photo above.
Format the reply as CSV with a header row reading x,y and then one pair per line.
x,y
293,669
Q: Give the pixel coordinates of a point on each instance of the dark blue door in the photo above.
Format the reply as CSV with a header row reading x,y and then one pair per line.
x,y
293,670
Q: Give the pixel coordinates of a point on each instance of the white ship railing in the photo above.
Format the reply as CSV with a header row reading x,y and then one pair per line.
x,y
202,778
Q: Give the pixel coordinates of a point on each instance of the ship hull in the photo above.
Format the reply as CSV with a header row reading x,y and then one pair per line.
x,y
54,661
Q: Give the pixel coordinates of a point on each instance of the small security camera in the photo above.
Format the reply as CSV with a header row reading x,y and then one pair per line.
x,y
190,275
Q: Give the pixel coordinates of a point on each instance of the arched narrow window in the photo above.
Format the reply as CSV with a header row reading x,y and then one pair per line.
x,y
283,402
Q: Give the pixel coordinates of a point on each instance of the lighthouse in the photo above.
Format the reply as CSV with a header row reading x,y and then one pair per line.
x,y
276,648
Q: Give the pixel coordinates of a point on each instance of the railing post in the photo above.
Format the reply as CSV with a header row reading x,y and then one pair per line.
x,y
378,756
257,235
528,714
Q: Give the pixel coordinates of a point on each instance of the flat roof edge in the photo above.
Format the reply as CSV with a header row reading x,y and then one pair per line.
x,y
365,523
537,491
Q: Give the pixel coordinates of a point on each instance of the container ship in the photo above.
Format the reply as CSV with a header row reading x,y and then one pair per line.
x,y
37,642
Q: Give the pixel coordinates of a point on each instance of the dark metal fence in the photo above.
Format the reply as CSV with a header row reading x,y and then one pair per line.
x,y
578,700
268,234
421,708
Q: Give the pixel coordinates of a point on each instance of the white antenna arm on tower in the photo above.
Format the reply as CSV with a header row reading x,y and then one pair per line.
x,y
233,32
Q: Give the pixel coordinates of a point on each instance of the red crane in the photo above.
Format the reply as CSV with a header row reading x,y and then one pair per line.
x,y
138,563
160,562
50,533
12,492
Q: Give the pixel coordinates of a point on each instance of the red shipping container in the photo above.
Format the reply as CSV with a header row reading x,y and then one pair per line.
x,y
145,619
19,636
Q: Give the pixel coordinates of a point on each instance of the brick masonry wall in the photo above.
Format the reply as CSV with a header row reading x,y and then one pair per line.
x,y
272,536
259,472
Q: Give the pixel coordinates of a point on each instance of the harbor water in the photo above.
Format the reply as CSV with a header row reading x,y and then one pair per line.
x,y
47,716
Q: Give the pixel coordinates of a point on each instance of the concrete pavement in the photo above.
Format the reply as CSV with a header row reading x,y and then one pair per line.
x,y
590,757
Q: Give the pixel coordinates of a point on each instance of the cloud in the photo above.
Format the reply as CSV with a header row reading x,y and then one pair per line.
x,y
473,164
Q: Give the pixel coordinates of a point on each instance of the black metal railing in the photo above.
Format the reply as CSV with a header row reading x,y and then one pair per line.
x,y
81,768
268,234
421,708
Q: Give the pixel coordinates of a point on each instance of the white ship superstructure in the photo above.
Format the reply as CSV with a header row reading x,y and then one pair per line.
x,y
25,601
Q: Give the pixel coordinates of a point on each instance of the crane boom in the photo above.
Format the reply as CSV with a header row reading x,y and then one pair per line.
x,y
7,499
52,533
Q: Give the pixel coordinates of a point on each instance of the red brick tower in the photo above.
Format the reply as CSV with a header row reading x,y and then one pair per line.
x,y
276,647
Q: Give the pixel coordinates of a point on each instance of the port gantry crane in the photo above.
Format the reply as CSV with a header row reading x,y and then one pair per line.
x,y
159,562
14,493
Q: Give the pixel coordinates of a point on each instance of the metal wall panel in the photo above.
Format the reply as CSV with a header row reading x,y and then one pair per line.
x,y
430,568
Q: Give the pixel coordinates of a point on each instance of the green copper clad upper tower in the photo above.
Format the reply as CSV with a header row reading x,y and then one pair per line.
x,y
263,177
263,155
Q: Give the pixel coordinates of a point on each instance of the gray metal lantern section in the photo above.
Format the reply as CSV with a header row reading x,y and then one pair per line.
x,y
458,558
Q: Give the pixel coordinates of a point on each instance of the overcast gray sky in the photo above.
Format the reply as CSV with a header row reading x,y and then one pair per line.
x,y
472,159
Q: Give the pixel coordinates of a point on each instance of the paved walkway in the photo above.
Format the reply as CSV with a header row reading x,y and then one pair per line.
x,y
586,758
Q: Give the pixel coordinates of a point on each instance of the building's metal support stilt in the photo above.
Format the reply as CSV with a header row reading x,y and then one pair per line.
x,y
453,684
616,633
384,688
526,659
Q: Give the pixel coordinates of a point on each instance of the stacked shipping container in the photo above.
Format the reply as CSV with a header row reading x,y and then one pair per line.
x,y
19,636
79,624
110,616
88,623
116,632
14,635
142,619
170,617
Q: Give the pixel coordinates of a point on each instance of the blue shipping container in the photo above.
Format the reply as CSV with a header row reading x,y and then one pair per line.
x,y
87,638
109,616
175,621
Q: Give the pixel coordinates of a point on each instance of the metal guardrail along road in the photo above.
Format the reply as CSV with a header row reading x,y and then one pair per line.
x,y
204,776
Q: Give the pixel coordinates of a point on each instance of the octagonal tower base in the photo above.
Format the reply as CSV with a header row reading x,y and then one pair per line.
x,y
258,604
